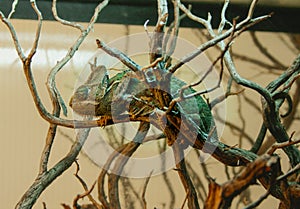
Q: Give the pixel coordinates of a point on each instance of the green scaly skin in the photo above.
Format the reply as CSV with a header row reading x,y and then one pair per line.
x,y
142,104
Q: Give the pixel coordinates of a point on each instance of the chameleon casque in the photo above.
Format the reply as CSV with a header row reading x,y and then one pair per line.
x,y
133,93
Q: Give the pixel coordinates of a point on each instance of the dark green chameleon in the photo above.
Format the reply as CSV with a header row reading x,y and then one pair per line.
x,y
130,93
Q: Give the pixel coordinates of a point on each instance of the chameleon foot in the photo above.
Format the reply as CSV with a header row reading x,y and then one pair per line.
x,y
103,121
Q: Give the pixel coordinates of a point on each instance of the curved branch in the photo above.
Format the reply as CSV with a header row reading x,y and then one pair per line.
x,y
62,21
191,194
44,180
113,178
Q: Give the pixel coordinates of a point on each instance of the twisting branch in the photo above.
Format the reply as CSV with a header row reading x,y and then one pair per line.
x,y
51,86
38,31
216,39
87,190
119,55
13,8
191,194
46,177
14,36
62,21
271,115
113,178
221,196
44,180
51,118
157,37
144,190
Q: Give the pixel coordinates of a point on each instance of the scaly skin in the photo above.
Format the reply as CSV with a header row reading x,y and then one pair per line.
x,y
128,91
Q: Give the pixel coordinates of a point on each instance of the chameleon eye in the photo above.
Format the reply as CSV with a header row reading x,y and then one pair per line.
x,y
82,92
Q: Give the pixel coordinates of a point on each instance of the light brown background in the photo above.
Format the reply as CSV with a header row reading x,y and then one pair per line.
x,y
23,130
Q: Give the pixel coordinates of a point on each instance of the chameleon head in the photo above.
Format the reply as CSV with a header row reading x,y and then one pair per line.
x,y
86,97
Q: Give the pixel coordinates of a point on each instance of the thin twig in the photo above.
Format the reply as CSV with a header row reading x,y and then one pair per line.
x,y
216,38
38,31
43,181
14,37
81,196
119,55
223,17
144,190
13,8
184,176
62,21
184,201
84,185
281,145
289,173
127,152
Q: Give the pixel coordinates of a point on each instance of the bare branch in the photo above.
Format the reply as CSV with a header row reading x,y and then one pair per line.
x,y
113,178
13,8
14,37
87,191
119,55
217,39
81,196
144,190
289,173
223,17
162,8
65,22
51,86
44,180
184,177
47,149
282,145
38,31
221,195
176,24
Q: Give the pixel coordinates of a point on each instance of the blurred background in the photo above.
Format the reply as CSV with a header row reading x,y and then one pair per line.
x,y
23,131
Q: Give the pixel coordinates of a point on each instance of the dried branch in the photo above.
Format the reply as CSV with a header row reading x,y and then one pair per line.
x,y
87,191
216,39
47,176
119,55
14,36
101,178
165,177
51,86
156,40
44,180
62,21
13,8
113,178
221,196
282,145
38,31
184,177
81,196
144,191
175,27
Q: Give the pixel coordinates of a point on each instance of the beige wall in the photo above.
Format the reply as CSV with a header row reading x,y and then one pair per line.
x,y
23,131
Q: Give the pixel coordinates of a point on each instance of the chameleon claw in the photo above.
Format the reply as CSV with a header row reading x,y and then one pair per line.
x,y
103,121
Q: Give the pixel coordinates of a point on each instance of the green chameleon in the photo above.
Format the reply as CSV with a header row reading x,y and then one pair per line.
x,y
130,93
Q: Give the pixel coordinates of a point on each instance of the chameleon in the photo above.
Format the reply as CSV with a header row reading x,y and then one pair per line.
x,y
130,92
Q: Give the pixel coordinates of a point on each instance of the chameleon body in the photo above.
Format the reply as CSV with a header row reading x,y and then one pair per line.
x,y
128,92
